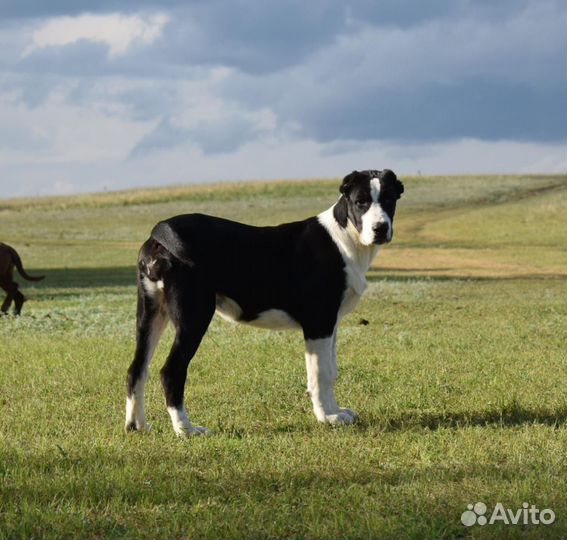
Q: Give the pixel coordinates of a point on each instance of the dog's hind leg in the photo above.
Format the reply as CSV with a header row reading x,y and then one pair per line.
x,y
19,300
191,307
6,304
151,319
11,290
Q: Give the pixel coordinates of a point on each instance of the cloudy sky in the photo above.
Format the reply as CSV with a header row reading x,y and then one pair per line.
x,y
112,94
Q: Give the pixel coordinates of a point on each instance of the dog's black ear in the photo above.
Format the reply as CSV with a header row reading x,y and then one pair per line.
x,y
389,175
400,188
348,180
340,211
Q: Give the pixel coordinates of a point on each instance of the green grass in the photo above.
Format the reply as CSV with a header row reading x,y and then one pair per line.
x,y
459,377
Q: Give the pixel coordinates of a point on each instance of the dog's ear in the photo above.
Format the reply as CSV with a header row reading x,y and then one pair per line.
x,y
340,212
390,176
348,181
400,188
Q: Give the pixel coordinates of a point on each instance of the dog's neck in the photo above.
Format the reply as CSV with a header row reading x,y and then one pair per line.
x,y
357,256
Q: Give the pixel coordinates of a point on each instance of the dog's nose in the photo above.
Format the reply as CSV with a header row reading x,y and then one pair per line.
x,y
381,232
381,229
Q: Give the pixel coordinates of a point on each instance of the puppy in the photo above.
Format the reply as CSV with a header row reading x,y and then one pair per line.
x,y
306,275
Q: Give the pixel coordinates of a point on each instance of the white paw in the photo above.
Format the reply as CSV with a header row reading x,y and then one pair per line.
x,y
141,427
343,417
182,425
190,430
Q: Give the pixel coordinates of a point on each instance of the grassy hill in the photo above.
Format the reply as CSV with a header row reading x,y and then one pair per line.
x,y
459,377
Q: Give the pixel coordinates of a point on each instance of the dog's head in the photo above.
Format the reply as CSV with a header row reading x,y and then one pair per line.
x,y
368,201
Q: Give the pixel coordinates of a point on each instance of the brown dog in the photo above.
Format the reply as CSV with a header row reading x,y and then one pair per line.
x,y
9,259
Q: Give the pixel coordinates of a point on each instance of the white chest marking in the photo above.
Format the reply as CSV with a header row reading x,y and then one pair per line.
x,y
356,256
350,301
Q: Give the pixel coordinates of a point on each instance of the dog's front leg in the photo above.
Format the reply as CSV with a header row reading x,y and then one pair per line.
x,y
321,363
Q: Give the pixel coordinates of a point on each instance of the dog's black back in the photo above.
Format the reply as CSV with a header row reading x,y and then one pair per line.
x,y
260,268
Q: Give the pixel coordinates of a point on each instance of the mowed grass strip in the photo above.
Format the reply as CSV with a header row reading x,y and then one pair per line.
x,y
459,380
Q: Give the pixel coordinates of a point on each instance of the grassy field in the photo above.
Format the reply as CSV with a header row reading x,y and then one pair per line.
x,y
459,377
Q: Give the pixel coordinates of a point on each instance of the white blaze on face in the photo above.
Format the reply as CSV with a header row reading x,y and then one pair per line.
x,y
374,216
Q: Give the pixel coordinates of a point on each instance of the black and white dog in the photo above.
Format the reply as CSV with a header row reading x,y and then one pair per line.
x,y
306,275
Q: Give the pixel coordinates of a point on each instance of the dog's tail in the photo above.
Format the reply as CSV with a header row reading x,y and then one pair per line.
x,y
164,234
18,264
159,252
153,260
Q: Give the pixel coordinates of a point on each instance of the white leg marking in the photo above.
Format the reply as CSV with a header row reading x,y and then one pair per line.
x,y
321,364
135,413
357,257
182,425
135,408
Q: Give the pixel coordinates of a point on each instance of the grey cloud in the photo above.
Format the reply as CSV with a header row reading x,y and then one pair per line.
x,y
252,36
471,108
38,9
218,136
225,135
151,101
18,138
86,58
30,90
441,80
82,58
266,37
255,37
164,135
328,70
239,16
408,13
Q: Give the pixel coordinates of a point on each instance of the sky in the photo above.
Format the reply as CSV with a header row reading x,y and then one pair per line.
x,y
114,94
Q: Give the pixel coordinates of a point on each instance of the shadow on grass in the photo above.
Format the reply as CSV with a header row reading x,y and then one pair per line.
x,y
120,276
511,415
117,276
405,275
508,416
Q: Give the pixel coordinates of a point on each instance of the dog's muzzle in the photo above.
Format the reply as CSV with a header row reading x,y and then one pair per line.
x,y
382,233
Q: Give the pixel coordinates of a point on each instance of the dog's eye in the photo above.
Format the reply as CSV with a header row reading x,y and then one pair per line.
x,y
361,204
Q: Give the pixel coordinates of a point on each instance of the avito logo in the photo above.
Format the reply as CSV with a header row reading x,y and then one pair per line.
x,y
527,515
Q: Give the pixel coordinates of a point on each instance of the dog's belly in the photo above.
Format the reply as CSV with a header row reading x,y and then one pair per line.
x,y
228,309
274,319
